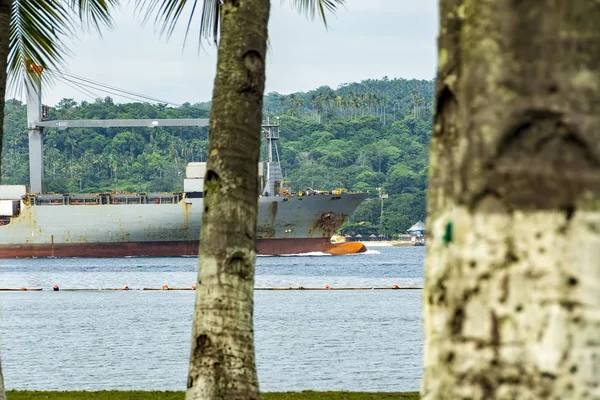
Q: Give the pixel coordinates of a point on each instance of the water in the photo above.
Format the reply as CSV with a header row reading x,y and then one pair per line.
x,y
305,340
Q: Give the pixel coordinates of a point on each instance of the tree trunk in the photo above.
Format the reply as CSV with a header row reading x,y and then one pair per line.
x,y
2,390
511,303
5,7
4,37
222,362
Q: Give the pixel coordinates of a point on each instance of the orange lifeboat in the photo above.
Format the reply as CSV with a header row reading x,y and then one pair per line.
x,y
339,249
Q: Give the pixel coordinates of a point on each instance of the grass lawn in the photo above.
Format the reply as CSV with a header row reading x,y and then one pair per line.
x,y
141,395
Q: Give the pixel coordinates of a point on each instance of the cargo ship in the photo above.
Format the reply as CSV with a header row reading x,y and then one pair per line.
x,y
159,224
168,224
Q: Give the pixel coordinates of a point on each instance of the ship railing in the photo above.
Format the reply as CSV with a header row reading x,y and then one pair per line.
x,y
48,199
312,192
127,198
164,198
102,198
84,199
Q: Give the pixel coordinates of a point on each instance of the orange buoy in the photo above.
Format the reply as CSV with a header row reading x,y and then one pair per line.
x,y
193,287
55,288
395,286
23,288
125,287
327,287
165,287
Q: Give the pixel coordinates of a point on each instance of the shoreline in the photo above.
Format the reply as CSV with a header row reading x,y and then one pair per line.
x,y
387,243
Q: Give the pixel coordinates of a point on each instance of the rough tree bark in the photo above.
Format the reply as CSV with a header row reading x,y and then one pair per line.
x,y
5,6
4,41
511,303
222,364
2,389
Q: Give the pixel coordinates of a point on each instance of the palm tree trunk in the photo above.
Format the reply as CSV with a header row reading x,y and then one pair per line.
x,y
5,7
511,305
222,362
2,390
4,37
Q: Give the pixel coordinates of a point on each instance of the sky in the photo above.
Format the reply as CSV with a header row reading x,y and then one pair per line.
x,y
366,39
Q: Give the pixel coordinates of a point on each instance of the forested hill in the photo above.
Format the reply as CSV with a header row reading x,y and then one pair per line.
x,y
359,136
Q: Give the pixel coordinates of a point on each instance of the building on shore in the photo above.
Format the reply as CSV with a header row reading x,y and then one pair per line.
x,y
417,233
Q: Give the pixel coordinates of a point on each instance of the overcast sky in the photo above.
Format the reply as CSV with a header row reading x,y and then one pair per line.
x,y
366,39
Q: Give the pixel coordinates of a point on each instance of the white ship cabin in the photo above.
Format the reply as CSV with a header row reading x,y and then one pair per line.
x,y
11,201
193,184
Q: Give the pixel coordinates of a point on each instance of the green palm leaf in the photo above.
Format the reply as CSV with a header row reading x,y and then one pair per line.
x,y
95,13
38,28
167,13
313,7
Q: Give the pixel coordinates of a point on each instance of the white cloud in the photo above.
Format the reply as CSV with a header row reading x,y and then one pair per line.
x,y
366,39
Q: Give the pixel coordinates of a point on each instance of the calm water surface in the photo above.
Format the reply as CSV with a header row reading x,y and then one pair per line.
x,y
319,340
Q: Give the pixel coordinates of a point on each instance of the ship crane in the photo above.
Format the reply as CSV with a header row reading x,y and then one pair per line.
x,y
271,133
36,124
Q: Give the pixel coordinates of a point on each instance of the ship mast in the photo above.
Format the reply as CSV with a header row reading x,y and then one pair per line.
x,y
33,87
274,176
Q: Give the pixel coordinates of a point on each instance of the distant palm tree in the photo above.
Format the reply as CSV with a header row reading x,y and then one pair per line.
x,y
222,356
30,33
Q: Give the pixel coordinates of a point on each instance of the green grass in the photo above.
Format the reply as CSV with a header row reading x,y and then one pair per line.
x,y
142,395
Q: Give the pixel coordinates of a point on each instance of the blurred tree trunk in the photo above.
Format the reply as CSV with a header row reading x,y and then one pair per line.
x,y
2,389
222,364
5,6
4,40
512,303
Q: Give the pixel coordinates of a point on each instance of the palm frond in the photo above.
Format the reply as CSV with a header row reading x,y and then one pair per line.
x,y
37,28
312,7
95,13
167,13
34,36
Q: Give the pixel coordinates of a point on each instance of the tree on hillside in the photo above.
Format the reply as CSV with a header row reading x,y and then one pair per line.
x,y
511,304
31,32
222,356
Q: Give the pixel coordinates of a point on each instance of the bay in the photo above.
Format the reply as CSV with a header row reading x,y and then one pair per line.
x,y
367,340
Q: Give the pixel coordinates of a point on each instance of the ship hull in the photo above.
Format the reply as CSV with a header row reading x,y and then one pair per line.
x,y
286,225
171,248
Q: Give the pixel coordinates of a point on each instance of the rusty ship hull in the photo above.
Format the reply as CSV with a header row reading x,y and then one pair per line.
x,y
286,225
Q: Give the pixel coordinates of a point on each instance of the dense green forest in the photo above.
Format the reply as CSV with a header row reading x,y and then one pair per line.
x,y
360,136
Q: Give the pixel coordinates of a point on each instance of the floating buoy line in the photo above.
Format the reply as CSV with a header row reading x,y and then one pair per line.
x,y
56,288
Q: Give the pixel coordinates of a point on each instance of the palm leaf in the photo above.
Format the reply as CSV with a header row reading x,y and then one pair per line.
x,y
37,28
34,30
312,7
95,13
167,13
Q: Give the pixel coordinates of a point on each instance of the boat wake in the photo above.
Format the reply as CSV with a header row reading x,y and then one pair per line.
x,y
309,254
371,252
317,254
